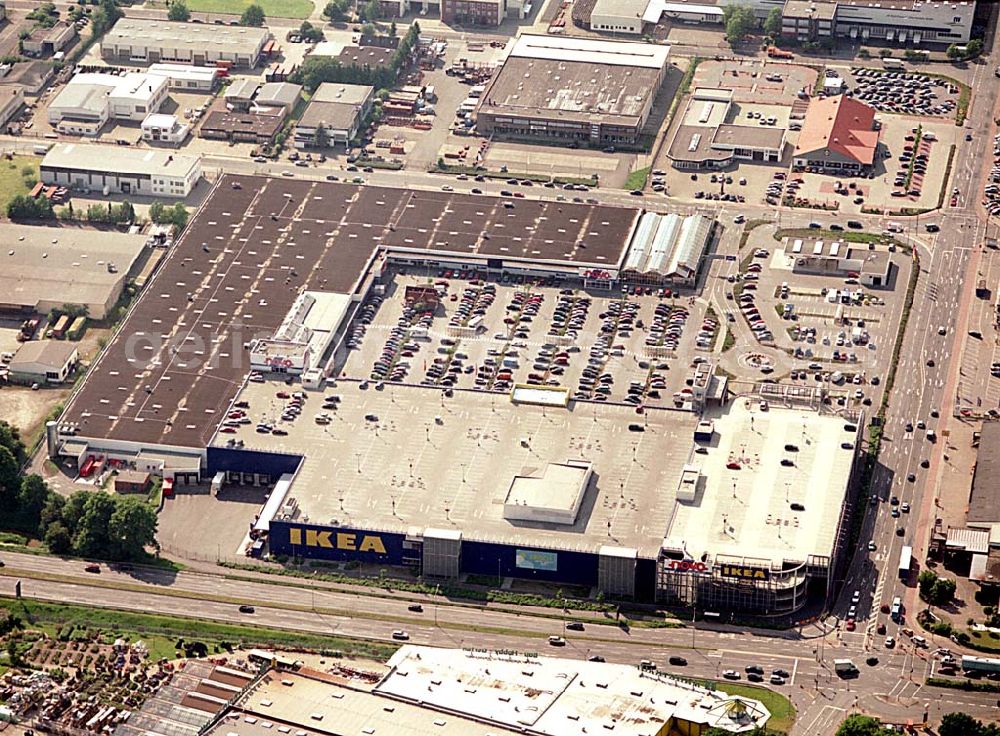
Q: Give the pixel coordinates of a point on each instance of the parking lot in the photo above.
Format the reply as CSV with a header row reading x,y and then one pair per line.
x,y
835,330
492,335
907,93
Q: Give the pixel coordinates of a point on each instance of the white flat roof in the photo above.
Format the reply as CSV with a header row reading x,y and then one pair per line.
x,y
183,71
593,51
557,486
551,696
118,159
747,512
656,8
159,120
151,33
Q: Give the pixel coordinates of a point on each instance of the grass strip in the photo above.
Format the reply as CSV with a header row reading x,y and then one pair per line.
x,y
40,614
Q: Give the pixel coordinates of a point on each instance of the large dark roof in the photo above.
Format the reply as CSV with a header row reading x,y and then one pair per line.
x,y
984,502
249,251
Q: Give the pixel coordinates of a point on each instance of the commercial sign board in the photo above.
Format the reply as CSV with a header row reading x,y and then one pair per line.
x,y
333,539
744,573
687,566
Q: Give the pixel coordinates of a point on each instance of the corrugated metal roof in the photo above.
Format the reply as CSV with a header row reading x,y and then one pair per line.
x,y
970,540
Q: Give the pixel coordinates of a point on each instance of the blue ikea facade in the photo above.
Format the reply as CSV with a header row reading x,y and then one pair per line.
x,y
296,539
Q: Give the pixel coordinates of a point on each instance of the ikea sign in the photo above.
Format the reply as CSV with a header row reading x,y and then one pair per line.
x,y
331,539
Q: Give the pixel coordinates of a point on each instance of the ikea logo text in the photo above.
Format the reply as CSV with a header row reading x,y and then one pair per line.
x,y
337,540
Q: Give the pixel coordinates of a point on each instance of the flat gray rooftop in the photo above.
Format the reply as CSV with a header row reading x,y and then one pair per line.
x,y
746,511
455,474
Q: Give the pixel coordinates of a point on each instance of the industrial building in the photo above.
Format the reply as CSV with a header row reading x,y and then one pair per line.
x,y
838,137
339,109
573,90
90,167
11,102
88,101
668,249
158,128
872,267
186,77
489,13
530,503
712,135
911,22
148,41
42,41
258,126
46,267
470,692
43,362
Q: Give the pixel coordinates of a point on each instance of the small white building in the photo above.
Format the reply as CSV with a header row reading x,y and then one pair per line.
x,y
43,361
164,129
187,77
122,170
88,101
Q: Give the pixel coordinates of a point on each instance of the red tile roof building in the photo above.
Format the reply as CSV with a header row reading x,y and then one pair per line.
x,y
838,136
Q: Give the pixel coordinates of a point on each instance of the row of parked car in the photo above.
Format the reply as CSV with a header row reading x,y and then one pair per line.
x,y
667,326
902,92
912,161
393,363
757,324
991,194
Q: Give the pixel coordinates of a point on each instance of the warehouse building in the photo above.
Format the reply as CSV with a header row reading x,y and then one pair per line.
x,y
339,109
489,13
667,249
573,90
478,692
144,40
88,101
838,137
11,102
258,126
44,41
46,267
911,22
186,77
711,135
43,362
89,167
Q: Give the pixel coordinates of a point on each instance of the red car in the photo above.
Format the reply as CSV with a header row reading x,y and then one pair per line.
x,y
92,568
283,395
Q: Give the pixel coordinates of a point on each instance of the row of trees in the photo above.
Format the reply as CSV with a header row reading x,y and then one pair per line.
x,y
161,214
935,590
23,207
952,724
318,69
88,523
112,214
253,15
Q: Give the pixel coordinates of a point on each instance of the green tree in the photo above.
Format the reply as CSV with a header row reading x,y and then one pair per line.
x,y
739,20
943,591
252,16
858,725
10,438
925,583
51,512
132,528
959,724
953,52
973,48
10,483
74,508
322,137
772,25
371,10
13,653
311,33
393,31
106,16
31,499
179,11
336,9
23,207
92,536
58,539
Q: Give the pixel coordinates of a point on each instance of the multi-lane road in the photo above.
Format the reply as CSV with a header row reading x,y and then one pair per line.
x,y
892,688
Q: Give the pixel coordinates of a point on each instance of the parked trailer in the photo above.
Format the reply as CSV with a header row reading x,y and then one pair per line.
x,y
980,665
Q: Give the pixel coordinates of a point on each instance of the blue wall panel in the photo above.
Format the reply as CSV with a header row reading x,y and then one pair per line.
x,y
484,558
250,461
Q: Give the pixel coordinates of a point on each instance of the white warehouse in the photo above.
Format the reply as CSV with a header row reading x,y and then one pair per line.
x,y
88,101
84,166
